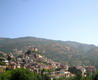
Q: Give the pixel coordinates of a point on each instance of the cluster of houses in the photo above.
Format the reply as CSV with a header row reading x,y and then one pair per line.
x,y
38,63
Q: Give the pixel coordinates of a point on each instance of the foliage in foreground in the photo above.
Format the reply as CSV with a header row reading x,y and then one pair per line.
x,y
25,74
22,74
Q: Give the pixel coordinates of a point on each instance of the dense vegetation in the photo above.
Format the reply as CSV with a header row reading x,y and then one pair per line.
x,y
25,74
71,53
22,74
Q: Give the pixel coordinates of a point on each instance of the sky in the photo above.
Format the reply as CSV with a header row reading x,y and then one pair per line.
x,y
67,20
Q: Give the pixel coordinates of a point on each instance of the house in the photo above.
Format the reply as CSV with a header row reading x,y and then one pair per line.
x,y
12,65
2,68
90,69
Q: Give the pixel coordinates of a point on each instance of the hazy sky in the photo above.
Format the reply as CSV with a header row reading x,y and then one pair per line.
x,y
75,20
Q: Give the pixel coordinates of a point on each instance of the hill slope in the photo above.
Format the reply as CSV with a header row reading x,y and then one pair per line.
x,y
68,52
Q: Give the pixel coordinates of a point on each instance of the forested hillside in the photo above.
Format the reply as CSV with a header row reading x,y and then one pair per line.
x,y
68,52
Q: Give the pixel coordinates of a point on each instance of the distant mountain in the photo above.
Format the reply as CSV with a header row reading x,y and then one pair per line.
x,y
68,52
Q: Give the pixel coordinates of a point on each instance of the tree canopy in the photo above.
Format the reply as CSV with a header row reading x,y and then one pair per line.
x,y
22,74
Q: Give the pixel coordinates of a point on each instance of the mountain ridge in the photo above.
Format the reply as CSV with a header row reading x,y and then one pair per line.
x,y
48,39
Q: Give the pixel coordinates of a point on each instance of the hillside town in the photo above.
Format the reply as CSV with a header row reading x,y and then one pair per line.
x,y
34,61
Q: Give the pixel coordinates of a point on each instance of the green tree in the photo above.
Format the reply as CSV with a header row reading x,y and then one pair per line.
x,y
5,76
28,52
9,58
76,71
95,76
21,74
